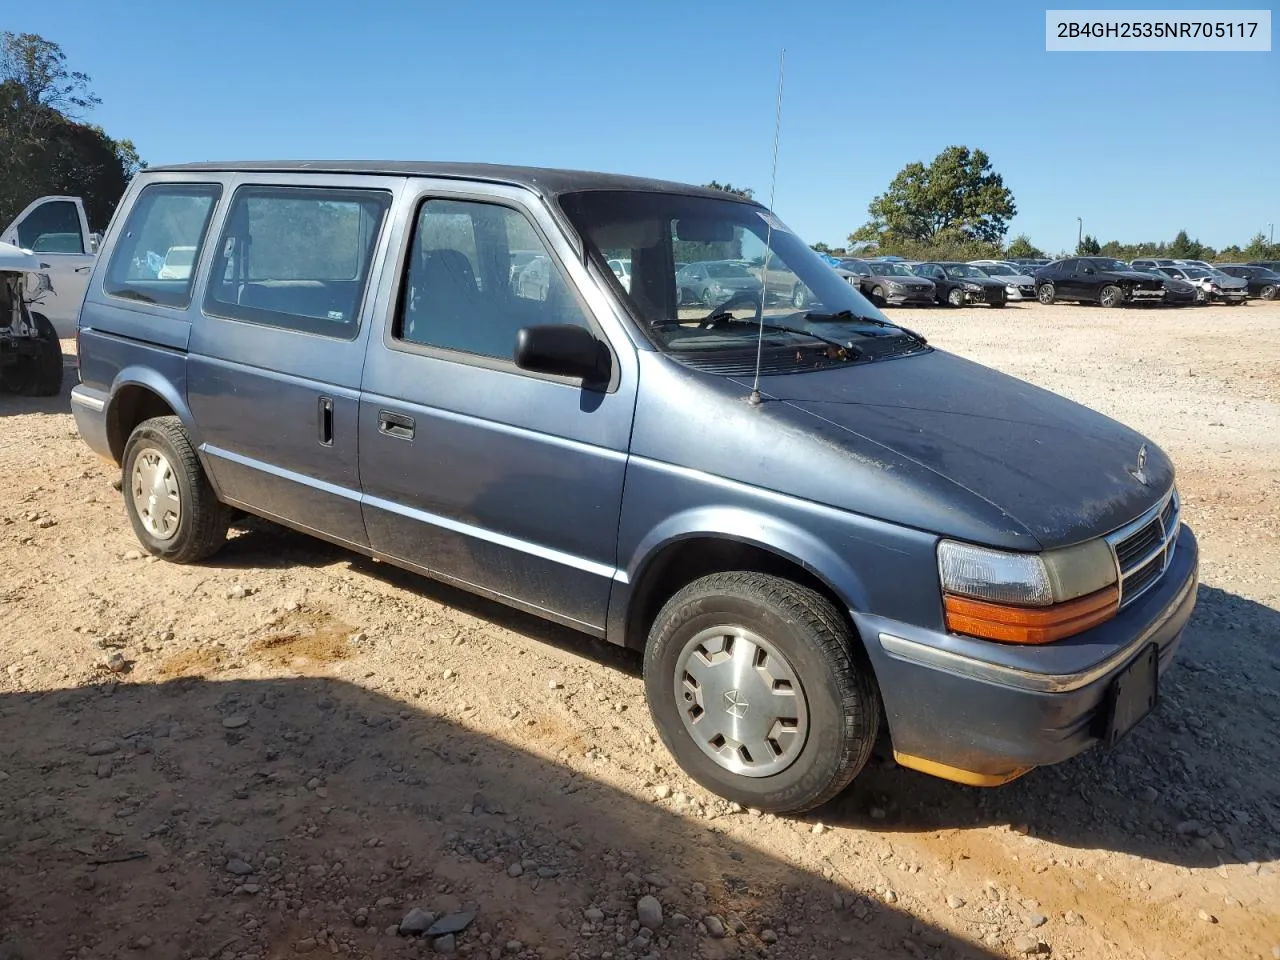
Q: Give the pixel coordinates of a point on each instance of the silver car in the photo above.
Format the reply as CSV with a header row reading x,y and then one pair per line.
x,y
1018,284
1216,285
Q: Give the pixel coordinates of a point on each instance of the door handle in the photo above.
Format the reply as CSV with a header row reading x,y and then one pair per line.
x,y
85,269
395,425
326,421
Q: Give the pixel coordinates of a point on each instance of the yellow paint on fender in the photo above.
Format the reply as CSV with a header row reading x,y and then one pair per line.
x,y
967,777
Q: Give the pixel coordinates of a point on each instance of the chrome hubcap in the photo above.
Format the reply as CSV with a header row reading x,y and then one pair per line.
x,y
1046,293
741,701
155,494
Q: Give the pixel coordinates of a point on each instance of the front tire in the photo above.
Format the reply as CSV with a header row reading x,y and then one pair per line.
x,y
1046,293
877,296
1111,296
760,691
1268,292
39,375
955,297
173,510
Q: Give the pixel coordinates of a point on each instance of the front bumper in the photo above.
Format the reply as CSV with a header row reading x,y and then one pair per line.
x,y
905,297
986,295
983,713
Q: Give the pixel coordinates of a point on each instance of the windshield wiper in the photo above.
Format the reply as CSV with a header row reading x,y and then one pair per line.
x,y
846,347
847,315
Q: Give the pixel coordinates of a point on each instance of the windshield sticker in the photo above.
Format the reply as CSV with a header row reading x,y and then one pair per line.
x,y
773,222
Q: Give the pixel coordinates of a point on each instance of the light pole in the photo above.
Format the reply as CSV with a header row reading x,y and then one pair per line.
x,y
1079,233
1272,227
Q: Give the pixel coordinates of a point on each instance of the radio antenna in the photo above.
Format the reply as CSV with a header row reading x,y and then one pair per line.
x,y
755,397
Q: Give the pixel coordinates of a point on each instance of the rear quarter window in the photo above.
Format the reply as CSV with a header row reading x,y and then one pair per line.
x,y
297,258
164,216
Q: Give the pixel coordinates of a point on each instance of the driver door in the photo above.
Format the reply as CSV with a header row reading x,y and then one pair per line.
x,y
56,230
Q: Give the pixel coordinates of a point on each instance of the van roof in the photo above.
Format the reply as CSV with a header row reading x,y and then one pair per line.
x,y
545,181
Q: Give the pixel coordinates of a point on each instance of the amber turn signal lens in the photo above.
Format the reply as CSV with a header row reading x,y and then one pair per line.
x,y
997,621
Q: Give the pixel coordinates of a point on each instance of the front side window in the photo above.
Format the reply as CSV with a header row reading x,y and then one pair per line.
x,y
465,290
749,279
52,227
165,219
297,258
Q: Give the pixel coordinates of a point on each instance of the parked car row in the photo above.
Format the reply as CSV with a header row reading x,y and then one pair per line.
x,y
893,281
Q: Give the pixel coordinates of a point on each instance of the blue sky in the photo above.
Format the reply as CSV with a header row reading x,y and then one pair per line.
x,y
1132,143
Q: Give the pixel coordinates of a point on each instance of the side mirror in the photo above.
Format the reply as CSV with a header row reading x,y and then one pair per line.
x,y
563,349
95,241
1090,270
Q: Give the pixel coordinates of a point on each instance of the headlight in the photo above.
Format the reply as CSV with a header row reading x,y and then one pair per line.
x,y
972,287
1027,597
1010,288
895,286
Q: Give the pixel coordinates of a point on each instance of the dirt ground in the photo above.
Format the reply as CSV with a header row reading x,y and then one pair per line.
x,y
290,749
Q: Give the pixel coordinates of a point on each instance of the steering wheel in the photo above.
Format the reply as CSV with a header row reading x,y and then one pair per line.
x,y
738,298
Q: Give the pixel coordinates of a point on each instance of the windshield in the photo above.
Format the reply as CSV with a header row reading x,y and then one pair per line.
x,y
711,310
959,270
1106,263
890,270
730,270
1196,273
998,270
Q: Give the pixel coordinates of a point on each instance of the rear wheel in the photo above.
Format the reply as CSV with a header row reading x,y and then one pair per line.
x,y
38,374
171,505
1111,296
1046,293
760,691
1268,292
955,297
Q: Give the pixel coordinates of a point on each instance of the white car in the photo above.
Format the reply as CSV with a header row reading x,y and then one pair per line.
x,y
1018,285
622,270
56,231
177,263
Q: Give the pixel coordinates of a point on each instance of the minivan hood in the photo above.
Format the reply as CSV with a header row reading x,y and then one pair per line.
x,y
1060,471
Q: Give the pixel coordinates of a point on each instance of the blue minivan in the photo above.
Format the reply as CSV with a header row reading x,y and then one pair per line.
x,y
821,531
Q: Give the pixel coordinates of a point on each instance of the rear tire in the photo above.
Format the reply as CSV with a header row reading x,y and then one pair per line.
x,y
778,629
39,375
1111,296
172,507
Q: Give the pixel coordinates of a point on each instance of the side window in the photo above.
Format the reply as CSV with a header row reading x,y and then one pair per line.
x,y
166,219
459,290
52,227
1068,267
297,258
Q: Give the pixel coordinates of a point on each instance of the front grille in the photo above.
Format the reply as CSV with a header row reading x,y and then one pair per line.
x,y
1144,548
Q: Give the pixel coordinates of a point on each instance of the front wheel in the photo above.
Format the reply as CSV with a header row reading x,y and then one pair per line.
x,y
955,297
1111,296
172,507
1046,293
38,373
1268,292
760,691
877,296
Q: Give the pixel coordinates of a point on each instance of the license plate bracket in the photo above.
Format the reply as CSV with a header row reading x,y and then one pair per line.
x,y
1132,695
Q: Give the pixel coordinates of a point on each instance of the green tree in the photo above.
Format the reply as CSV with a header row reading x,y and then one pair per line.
x,y
957,197
43,150
40,67
1184,248
1023,247
1088,247
746,192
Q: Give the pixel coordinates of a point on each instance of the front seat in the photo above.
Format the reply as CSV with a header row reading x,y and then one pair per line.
x,y
444,302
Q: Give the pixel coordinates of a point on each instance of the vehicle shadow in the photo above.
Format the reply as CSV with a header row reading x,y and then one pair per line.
x,y
1195,784
12,405
259,817
1186,787
260,544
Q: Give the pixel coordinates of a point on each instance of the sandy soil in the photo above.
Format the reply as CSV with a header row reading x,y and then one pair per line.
x,y
288,749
